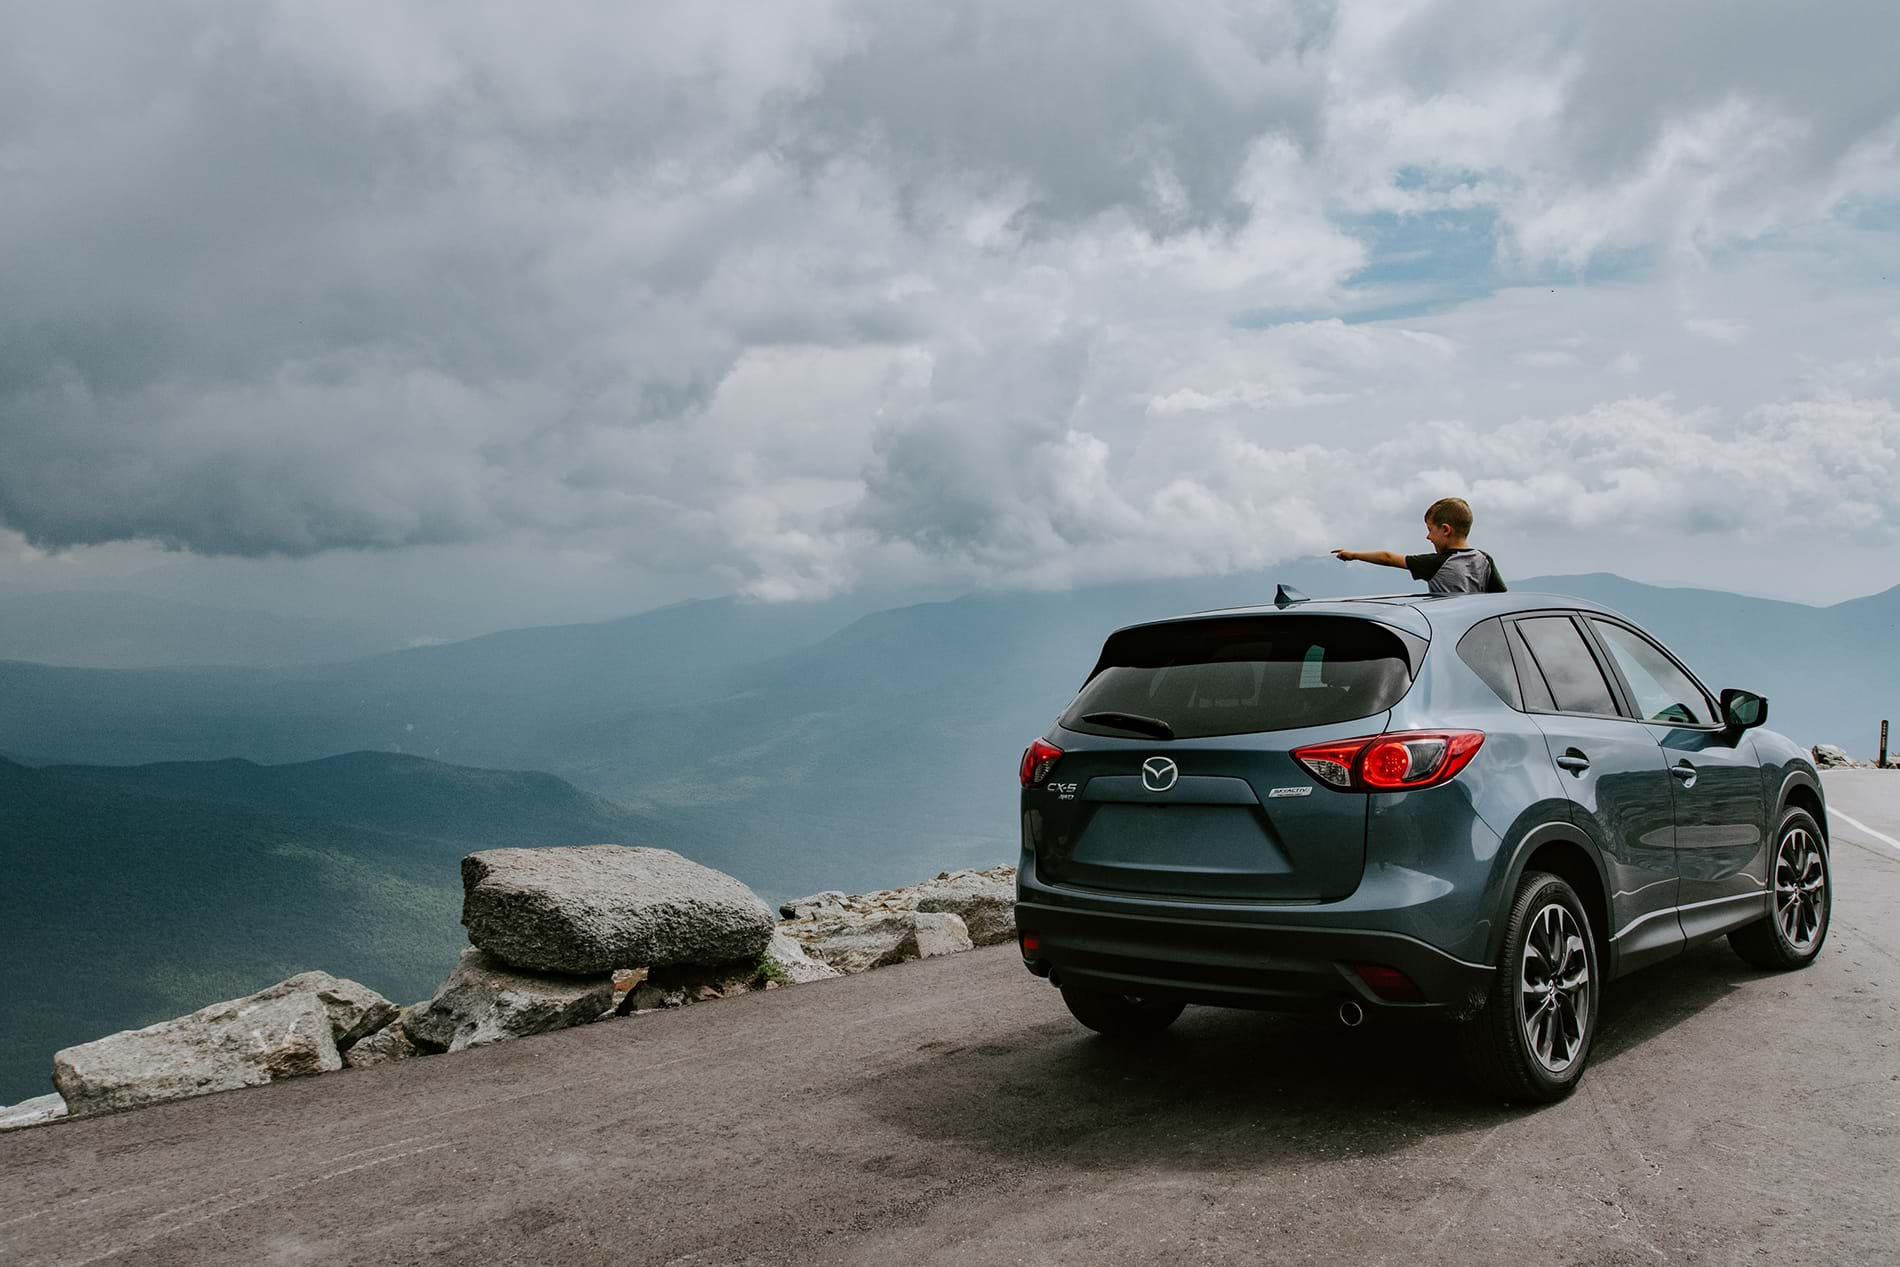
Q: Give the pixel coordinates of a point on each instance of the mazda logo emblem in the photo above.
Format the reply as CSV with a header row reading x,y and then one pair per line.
x,y
1158,774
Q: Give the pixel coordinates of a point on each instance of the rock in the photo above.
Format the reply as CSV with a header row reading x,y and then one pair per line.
x,y
45,1108
850,942
626,981
485,1001
676,985
592,908
355,1010
794,965
938,933
1828,757
240,1043
645,997
986,905
800,906
386,1046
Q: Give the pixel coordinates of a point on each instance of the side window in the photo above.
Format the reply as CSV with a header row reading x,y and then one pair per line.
x,y
1536,695
1663,692
1489,656
1571,672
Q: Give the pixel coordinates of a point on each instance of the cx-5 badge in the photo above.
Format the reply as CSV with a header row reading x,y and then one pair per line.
x,y
1158,774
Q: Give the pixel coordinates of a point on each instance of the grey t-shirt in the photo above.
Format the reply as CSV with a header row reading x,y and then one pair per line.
x,y
1464,571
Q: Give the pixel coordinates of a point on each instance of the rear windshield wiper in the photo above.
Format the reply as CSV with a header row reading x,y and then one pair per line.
x,y
1131,721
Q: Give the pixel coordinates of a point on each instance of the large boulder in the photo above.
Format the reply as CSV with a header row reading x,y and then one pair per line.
x,y
985,903
355,1010
240,1043
486,1001
45,1108
592,908
851,942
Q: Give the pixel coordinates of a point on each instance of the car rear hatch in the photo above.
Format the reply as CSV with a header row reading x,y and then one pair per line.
x,y
1222,810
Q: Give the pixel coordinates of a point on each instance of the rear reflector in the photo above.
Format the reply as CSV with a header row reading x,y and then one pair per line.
x,y
1030,943
1402,761
1039,759
1389,983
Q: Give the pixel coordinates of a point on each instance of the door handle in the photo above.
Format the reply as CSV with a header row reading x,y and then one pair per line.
x,y
1574,761
1685,772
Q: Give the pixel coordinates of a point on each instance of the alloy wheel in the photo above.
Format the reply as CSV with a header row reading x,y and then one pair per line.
x,y
1800,889
1554,988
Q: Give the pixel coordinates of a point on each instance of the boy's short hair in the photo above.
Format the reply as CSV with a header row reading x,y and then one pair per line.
x,y
1452,512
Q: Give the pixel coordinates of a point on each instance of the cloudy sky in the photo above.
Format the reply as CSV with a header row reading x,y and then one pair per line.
x,y
472,314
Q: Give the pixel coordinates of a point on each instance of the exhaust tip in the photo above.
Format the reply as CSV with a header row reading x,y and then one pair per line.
x,y
1055,978
1351,1015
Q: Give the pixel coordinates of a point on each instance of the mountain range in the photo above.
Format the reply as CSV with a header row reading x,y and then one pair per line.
x,y
833,727
110,629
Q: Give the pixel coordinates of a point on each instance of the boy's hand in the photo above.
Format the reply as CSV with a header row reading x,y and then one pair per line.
x,y
1346,556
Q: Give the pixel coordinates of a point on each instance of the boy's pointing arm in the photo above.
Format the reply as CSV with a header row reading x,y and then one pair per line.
x,y
1384,558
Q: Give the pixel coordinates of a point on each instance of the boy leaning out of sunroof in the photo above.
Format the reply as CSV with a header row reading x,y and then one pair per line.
x,y
1454,566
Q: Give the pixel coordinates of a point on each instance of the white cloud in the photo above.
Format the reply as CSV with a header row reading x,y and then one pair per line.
x,y
798,300
1720,329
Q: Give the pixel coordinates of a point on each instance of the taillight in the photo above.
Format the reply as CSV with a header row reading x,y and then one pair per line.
x,y
1039,759
1332,763
1402,761
1418,758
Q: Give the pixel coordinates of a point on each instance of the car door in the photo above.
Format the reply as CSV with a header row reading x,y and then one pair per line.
x,y
1613,770
1716,785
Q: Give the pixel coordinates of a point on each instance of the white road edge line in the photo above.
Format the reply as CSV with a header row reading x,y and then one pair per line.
x,y
1857,825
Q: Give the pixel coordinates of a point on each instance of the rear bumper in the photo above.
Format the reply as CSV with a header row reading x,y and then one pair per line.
x,y
1269,966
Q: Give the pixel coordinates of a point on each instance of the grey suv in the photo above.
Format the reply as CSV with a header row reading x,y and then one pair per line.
x,y
1479,808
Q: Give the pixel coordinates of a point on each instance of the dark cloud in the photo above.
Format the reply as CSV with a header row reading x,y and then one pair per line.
x,y
794,296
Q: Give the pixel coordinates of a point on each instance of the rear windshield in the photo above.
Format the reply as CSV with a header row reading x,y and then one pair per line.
x,y
1233,676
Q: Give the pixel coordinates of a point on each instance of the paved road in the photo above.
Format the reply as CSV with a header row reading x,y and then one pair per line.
x,y
950,1112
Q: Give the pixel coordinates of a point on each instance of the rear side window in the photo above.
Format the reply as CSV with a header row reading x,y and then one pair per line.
x,y
1241,675
1569,670
1489,656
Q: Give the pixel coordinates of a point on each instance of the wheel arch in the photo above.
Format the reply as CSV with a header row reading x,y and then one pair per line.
x,y
1800,790
1565,850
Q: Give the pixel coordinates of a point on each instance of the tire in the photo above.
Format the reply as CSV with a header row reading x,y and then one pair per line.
x,y
1122,1015
1791,935
1532,1040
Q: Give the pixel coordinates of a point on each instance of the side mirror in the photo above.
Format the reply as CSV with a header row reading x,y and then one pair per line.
x,y
1743,710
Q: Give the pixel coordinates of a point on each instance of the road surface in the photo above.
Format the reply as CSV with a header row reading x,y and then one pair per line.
x,y
950,1112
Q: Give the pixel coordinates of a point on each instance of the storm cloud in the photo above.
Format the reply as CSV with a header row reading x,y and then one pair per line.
x,y
808,297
